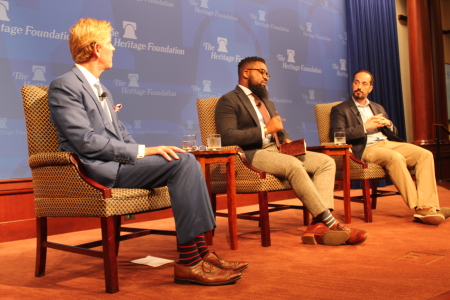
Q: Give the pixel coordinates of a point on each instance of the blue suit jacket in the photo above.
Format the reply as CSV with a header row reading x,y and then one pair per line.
x,y
84,127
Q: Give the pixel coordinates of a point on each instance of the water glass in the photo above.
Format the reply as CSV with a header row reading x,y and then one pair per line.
x,y
189,142
214,142
339,138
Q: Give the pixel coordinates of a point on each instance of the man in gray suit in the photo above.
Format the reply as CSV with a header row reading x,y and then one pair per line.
x,y
85,118
247,118
374,139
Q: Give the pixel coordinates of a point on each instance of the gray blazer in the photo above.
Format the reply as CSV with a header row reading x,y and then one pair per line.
x,y
238,124
84,127
346,115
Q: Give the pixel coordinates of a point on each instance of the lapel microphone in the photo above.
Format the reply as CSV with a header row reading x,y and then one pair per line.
x,y
258,104
103,96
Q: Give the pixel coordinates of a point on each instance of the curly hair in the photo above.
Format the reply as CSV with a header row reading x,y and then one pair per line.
x,y
243,63
84,35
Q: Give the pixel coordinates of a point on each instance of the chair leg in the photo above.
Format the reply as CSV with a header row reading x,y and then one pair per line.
x,y
109,255
366,201
41,250
305,216
264,219
117,225
374,193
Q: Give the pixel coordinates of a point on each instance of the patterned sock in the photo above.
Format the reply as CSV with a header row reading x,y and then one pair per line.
x,y
201,245
328,218
189,254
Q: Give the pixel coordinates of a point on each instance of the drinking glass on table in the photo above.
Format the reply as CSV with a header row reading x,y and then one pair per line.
x,y
189,142
339,138
214,142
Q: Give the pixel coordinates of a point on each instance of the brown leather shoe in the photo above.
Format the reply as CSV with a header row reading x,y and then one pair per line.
x,y
219,262
318,233
357,236
204,273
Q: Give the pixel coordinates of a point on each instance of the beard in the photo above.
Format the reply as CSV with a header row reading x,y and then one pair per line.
x,y
259,90
361,96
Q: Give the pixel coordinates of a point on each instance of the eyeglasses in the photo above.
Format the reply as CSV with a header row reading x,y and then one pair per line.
x,y
263,72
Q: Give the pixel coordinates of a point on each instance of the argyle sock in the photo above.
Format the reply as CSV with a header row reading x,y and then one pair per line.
x,y
328,218
189,253
201,246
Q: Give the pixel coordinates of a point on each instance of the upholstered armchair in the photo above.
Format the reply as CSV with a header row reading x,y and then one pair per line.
x,y
62,189
359,171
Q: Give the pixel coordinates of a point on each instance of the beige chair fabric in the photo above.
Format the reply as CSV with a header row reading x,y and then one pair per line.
x,y
248,179
62,189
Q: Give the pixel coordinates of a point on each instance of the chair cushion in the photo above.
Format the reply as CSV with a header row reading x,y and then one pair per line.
x,y
123,201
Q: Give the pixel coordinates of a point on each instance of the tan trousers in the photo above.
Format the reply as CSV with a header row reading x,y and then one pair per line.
x,y
311,176
397,158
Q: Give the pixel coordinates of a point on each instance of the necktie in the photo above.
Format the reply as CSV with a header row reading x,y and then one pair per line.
x,y
102,99
265,113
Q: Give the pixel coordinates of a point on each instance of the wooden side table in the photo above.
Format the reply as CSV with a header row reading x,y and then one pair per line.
x,y
205,158
343,150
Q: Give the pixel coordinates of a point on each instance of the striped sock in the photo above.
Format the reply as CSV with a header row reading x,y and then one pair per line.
x,y
189,254
201,245
328,218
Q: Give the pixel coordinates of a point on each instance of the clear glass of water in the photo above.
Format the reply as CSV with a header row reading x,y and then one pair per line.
x,y
339,138
214,142
189,142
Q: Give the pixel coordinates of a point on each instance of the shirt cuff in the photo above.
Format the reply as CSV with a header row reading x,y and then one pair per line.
x,y
141,151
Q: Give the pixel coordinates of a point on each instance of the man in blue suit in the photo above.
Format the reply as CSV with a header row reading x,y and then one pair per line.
x,y
84,115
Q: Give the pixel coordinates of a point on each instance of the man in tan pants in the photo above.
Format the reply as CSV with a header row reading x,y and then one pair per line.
x,y
374,139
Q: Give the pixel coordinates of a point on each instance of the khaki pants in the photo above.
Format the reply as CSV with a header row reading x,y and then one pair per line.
x,y
397,158
311,176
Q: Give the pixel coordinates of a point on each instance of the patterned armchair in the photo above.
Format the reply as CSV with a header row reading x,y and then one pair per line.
x,y
248,179
359,171
62,189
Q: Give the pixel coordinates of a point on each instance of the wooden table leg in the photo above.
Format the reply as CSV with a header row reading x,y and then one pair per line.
x,y
231,197
346,183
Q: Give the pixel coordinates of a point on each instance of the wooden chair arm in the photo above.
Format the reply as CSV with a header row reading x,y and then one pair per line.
x,y
243,158
356,160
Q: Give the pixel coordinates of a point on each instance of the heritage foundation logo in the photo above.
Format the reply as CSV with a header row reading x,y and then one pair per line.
x,y
207,86
204,4
222,44
290,55
341,68
133,78
4,6
262,15
130,30
39,73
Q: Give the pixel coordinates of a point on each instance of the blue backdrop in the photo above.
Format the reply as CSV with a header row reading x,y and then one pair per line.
x,y
168,54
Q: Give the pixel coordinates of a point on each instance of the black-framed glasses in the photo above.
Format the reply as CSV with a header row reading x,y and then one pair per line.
x,y
263,72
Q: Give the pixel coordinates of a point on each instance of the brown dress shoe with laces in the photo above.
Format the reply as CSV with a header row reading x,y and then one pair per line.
x,y
204,273
318,233
357,236
219,262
